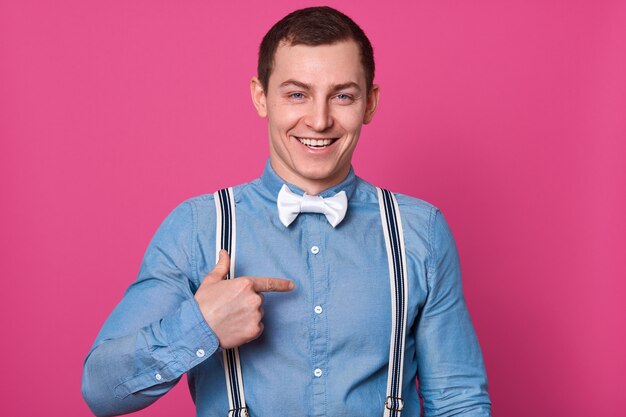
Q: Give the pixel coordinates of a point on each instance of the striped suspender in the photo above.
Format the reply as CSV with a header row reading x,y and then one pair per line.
x,y
394,240
225,238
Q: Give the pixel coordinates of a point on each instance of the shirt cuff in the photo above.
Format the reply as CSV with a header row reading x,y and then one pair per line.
x,y
190,342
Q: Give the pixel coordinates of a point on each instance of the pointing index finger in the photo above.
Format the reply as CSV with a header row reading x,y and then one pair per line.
x,y
270,284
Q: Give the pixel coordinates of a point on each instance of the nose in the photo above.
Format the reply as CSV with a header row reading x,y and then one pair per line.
x,y
319,117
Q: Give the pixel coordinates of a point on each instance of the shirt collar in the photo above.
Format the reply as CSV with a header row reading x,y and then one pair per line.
x,y
272,183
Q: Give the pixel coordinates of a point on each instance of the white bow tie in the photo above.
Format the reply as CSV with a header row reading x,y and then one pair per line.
x,y
291,204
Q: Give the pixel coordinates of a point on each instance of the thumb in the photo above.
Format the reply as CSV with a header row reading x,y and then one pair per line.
x,y
221,268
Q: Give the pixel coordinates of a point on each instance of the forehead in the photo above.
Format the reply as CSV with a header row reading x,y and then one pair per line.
x,y
339,62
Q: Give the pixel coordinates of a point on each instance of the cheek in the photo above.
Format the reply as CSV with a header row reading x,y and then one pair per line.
x,y
350,118
281,118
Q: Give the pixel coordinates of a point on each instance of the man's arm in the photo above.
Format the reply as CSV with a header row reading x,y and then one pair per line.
x,y
451,373
156,333
161,329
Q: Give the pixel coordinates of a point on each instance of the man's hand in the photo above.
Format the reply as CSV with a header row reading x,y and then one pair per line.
x,y
233,308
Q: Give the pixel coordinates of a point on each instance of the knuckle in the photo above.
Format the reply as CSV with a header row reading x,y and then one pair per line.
x,y
257,317
258,301
245,282
255,330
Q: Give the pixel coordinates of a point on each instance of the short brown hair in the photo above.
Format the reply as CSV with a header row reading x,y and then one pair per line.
x,y
314,26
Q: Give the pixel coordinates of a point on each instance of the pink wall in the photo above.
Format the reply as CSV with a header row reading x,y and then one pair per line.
x,y
509,115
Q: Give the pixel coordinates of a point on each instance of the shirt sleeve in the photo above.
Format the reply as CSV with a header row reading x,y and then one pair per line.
x,y
157,332
451,372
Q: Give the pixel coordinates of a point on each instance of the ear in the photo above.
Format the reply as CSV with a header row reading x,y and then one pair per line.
x,y
258,97
372,103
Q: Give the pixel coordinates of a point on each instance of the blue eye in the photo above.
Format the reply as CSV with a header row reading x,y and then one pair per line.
x,y
344,98
297,96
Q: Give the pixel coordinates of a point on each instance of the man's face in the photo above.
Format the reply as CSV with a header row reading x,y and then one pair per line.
x,y
316,102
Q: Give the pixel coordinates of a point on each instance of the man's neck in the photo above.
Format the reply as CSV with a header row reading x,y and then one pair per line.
x,y
310,186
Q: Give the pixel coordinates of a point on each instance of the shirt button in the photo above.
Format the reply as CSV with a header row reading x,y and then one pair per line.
x,y
315,250
318,309
200,353
317,372
158,377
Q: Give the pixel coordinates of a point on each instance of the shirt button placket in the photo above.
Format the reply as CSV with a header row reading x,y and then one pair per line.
x,y
319,342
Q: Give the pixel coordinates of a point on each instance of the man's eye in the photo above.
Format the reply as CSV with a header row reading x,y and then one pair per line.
x,y
297,96
344,98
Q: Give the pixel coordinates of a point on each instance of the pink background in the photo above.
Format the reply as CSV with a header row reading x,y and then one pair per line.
x,y
508,115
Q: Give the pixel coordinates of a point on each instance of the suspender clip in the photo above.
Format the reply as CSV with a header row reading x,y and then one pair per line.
x,y
394,403
238,412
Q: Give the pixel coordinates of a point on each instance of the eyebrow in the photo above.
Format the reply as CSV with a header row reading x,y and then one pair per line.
x,y
336,87
299,84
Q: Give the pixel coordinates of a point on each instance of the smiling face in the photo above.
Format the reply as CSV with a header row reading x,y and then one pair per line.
x,y
316,102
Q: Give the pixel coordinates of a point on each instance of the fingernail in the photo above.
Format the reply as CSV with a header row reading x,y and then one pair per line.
x,y
292,285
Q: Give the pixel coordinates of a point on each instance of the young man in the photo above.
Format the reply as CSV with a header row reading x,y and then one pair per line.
x,y
304,329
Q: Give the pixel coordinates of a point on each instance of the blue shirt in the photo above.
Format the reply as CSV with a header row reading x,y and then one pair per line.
x,y
325,347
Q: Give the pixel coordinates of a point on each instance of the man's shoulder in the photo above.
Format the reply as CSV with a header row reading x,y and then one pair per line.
x,y
417,214
407,202
198,202
203,205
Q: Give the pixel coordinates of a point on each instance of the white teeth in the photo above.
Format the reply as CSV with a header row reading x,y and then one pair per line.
x,y
315,142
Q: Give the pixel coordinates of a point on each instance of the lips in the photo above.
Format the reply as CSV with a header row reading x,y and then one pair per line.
x,y
316,143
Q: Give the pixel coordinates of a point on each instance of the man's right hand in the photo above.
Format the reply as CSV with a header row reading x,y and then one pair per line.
x,y
234,308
